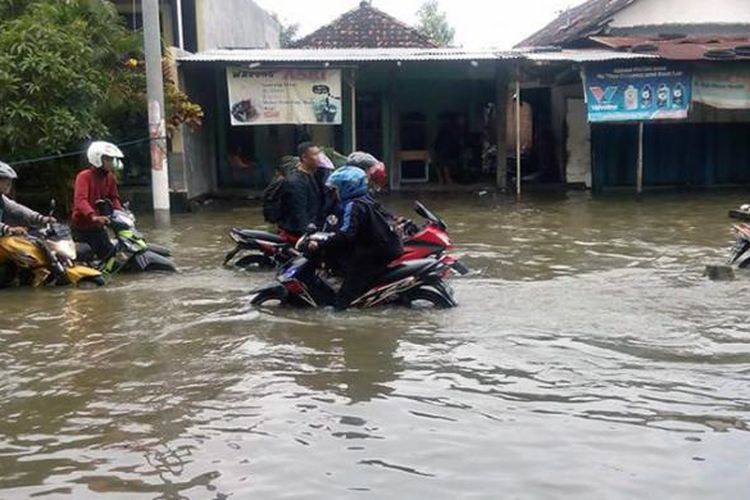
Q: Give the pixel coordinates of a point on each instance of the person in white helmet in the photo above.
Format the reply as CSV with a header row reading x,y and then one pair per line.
x,y
97,182
14,217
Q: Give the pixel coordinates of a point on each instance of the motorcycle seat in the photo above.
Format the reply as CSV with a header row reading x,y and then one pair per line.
x,y
252,234
406,269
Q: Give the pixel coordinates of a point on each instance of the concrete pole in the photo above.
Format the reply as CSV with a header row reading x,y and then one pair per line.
x,y
518,134
156,120
353,86
639,172
180,36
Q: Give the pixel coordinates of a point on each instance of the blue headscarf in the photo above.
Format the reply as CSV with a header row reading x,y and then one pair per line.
x,y
350,182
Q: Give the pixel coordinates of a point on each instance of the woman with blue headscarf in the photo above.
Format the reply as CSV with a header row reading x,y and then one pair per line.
x,y
364,239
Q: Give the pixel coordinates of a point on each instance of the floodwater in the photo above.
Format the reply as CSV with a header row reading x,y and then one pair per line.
x,y
589,358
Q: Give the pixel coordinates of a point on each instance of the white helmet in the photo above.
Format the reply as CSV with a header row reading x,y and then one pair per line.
x,y
6,172
102,148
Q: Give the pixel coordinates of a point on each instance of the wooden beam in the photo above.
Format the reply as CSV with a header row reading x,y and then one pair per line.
x,y
639,171
518,133
501,125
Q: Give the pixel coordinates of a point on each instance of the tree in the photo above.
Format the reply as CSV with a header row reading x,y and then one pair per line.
x,y
434,24
287,32
70,72
57,60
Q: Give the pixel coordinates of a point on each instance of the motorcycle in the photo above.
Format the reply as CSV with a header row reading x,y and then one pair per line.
x,y
430,240
132,253
300,283
45,256
269,250
741,246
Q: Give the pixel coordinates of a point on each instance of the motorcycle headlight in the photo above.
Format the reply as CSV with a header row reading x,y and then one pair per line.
x,y
66,248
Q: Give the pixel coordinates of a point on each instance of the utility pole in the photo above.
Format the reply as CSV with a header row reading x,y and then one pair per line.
x,y
156,120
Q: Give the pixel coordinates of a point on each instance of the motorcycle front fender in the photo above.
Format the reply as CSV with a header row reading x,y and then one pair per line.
x,y
76,274
161,250
274,290
152,261
230,255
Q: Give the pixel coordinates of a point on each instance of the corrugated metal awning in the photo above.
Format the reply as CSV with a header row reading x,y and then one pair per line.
x,y
583,56
248,56
344,55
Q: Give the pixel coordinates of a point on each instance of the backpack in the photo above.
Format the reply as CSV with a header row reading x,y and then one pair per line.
x,y
384,235
273,211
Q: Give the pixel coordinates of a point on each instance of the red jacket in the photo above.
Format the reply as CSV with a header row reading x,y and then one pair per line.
x,y
92,184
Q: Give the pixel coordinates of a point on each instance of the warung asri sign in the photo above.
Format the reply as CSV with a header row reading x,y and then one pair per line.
x,y
284,96
639,93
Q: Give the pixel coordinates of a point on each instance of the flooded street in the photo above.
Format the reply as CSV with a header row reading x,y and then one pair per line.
x,y
588,358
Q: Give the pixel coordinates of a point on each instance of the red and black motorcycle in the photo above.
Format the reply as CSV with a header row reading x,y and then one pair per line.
x,y
267,250
430,240
301,283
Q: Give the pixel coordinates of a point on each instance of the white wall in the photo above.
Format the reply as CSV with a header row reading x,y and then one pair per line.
x,y
578,168
656,12
234,24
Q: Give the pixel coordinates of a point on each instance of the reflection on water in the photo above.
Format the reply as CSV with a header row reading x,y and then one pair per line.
x,y
588,358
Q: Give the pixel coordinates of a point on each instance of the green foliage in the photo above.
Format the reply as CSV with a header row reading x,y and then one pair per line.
x,y
70,72
434,24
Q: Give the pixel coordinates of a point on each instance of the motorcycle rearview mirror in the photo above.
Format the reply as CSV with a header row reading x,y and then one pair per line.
x,y
52,206
104,207
311,228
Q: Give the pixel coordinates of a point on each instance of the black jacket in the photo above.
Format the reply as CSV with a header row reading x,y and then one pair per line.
x,y
301,202
364,234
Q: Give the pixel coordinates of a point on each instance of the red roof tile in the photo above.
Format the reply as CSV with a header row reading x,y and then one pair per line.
x,y
576,23
691,48
365,27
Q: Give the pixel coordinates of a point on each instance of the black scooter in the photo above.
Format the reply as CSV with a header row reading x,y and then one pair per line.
x,y
259,249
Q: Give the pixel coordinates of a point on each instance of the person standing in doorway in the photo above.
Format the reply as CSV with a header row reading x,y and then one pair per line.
x,y
449,147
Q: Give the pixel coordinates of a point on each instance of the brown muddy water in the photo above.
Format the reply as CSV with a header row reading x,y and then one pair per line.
x,y
588,359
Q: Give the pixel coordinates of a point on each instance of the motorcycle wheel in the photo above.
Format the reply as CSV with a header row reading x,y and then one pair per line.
x,y
260,261
268,298
423,295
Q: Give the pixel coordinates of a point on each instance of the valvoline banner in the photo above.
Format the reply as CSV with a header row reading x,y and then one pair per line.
x,y
616,93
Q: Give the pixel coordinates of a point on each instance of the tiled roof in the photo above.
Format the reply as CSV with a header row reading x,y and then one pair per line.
x,y
365,27
577,23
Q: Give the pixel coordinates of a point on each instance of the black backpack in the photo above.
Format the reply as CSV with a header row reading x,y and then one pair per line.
x,y
385,237
272,200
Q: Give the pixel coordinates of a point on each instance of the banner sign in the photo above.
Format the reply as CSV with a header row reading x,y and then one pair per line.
x,y
617,93
284,96
724,89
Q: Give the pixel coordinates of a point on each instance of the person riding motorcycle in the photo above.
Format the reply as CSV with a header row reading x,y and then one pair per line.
x,y
96,182
374,168
364,240
12,212
14,221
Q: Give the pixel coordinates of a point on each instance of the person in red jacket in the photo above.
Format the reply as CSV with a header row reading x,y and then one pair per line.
x,y
97,182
